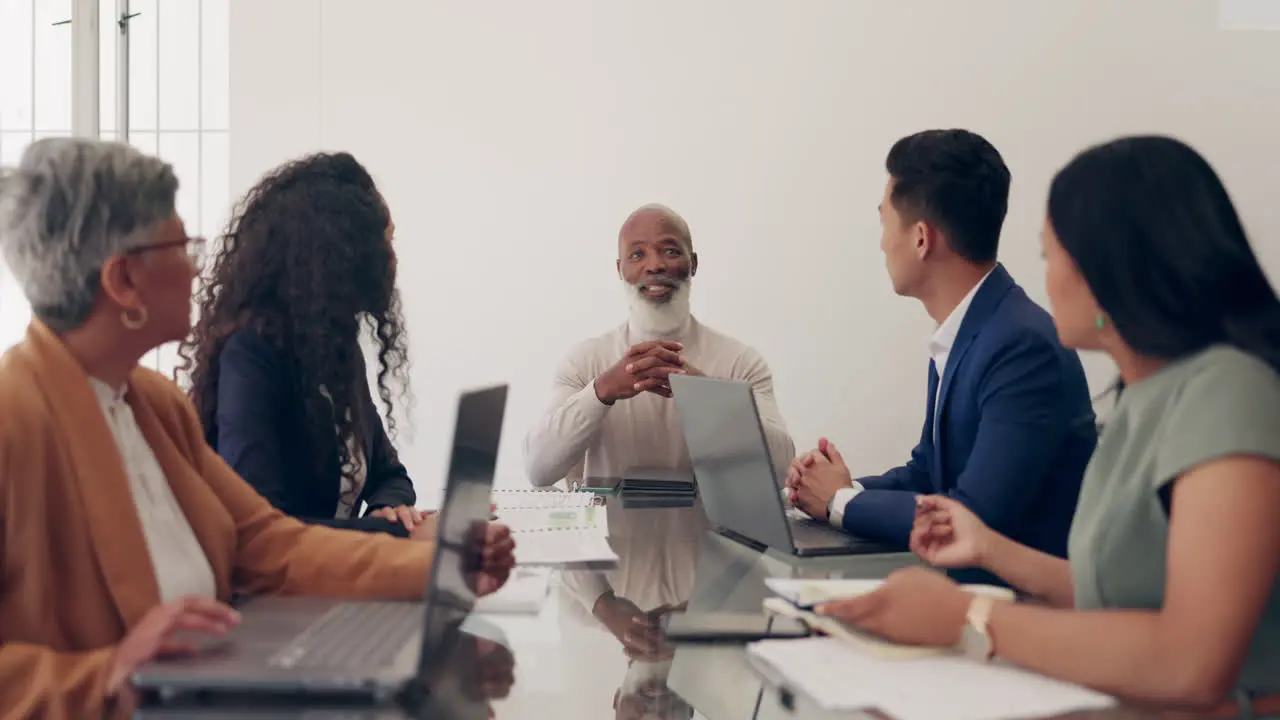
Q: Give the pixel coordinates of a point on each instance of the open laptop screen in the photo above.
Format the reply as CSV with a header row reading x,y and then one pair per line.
x,y
731,460
451,590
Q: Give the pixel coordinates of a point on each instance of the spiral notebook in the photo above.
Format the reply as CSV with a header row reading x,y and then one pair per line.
x,y
555,528
523,499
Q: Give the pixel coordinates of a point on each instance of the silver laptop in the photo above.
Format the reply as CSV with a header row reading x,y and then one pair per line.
x,y
740,490
378,649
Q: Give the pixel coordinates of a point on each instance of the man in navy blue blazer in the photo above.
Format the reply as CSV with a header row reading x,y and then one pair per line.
x,y
1009,426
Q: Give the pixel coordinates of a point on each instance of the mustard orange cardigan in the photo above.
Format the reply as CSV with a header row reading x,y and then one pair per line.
x,y
75,574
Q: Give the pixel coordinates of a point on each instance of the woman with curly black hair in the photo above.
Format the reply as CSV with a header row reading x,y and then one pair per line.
x,y
275,363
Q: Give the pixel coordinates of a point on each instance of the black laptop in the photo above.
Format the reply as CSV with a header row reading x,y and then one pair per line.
x,y
374,649
740,490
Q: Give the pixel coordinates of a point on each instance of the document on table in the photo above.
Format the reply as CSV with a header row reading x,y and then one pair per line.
x,y
559,535
524,593
840,677
563,547
807,593
526,499
796,599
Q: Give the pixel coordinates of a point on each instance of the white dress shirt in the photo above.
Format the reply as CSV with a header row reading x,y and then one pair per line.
x,y
940,344
180,565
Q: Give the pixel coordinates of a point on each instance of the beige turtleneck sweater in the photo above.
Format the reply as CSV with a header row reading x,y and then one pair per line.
x,y
657,549
645,430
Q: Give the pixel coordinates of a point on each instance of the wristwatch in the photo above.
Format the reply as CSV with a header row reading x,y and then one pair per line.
x,y
975,640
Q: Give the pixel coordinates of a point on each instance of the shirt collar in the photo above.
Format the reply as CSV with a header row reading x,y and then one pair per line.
x,y
945,336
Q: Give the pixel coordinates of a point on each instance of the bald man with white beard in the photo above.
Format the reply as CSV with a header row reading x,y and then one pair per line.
x,y
611,409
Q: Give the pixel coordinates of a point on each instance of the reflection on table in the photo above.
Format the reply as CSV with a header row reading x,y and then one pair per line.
x,y
569,663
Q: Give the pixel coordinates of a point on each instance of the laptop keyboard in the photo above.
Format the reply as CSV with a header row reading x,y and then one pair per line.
x,y
810,533
361,636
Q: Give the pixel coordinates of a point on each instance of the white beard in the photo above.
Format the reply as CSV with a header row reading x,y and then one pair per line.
x,y
658,320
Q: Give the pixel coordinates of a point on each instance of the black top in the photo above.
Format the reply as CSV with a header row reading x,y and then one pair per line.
x,y
259,429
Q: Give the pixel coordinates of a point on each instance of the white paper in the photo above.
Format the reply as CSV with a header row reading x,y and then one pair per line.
x,y
550,519
525,592
563,547
839,677
507,499
809,592
865,642
812,592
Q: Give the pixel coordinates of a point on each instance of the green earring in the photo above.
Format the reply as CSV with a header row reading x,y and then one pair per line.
x,y
1101,321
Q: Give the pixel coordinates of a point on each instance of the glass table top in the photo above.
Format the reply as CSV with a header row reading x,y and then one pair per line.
x,y
572,663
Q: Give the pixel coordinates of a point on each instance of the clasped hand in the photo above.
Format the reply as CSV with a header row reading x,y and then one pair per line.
x,y
645,367
640,632
815,477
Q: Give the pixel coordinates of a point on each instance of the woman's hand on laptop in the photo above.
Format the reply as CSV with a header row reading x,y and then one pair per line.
x,y
497,557
159,634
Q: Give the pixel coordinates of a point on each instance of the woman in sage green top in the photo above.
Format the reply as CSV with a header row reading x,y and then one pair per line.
x,y
1171,593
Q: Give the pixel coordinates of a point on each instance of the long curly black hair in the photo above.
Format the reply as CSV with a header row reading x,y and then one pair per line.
x,y
307,257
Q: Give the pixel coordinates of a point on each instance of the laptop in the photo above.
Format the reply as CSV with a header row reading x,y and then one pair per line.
x,y
379,650
740,491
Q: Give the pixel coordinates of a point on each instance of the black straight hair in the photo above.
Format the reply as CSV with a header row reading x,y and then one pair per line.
x,y
956,181
1159,242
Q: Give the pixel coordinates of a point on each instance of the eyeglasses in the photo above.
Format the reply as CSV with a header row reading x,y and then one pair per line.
x,y
195,248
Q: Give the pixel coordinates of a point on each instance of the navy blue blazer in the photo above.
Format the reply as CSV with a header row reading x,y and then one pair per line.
x,y
258,429
1016,429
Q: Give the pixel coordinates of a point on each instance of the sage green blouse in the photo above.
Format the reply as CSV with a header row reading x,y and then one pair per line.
x,y
1216,403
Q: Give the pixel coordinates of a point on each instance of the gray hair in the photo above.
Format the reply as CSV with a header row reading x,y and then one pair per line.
x,y
667,213
71,204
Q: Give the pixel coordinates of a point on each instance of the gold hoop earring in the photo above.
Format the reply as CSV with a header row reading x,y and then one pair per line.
x,y
134,320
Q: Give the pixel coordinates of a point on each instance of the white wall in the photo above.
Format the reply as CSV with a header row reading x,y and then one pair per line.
x,y
511,139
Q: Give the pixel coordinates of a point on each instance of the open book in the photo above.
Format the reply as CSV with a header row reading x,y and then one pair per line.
x,y
797,597
838,676
907,682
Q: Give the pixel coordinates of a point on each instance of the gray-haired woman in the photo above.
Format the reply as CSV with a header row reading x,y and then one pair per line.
x,y
119,526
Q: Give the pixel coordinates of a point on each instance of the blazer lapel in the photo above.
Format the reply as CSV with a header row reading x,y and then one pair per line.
x,y
99,475
210,523
948,379
985,301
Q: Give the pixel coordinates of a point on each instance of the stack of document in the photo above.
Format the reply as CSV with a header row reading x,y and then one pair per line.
x,y
556,528
525,592
853,670
840,677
